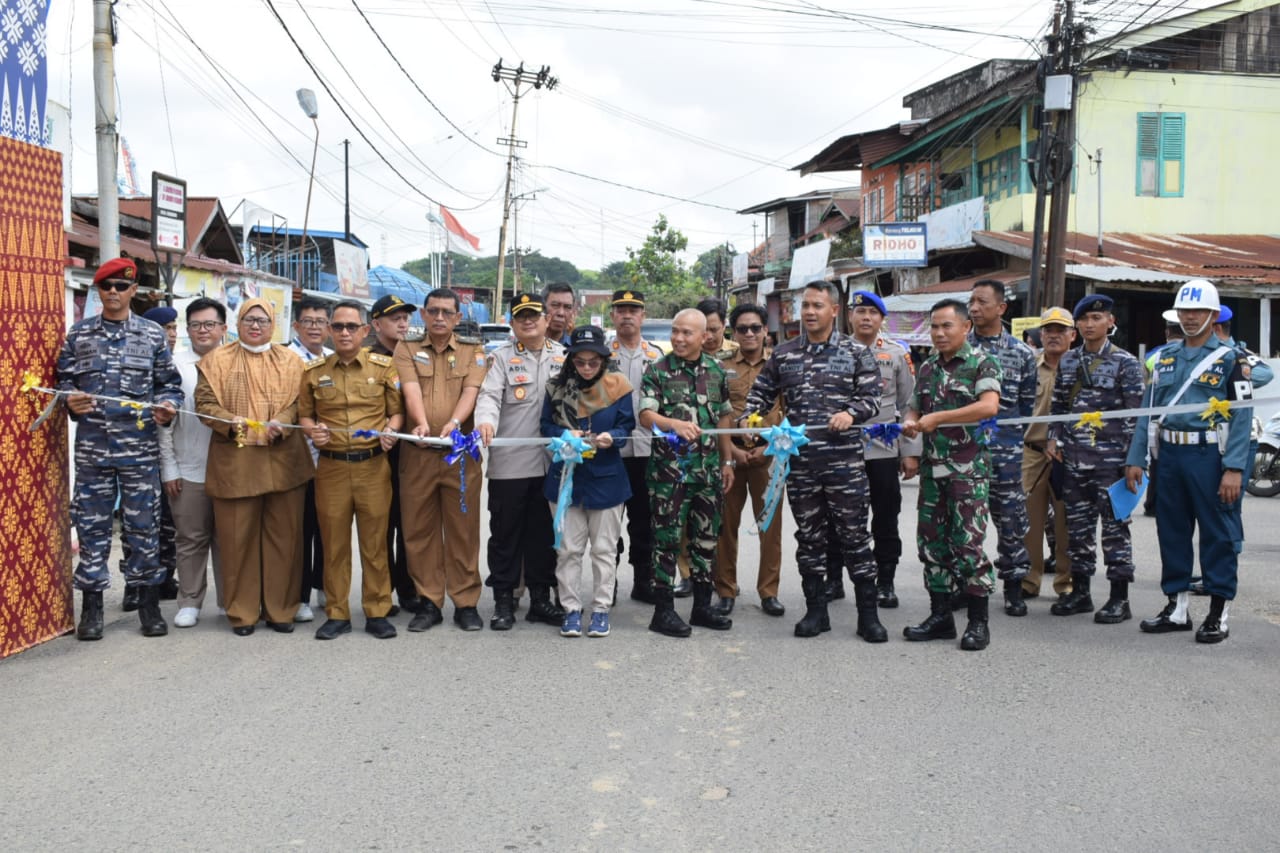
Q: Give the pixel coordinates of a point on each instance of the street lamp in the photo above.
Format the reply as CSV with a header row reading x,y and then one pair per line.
x,y
307,100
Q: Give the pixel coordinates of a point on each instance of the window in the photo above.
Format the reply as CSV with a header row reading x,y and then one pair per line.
x,y
1161,154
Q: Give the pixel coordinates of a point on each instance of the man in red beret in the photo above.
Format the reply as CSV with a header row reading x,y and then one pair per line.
x,y
112,357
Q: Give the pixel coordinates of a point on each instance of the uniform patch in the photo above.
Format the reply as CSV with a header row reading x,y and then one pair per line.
x,y
515,359
479,360
422,357
519,393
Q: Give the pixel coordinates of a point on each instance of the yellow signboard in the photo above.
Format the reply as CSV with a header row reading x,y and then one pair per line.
x,y
1018,325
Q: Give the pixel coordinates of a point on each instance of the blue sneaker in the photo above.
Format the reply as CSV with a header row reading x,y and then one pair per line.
x,y
572,624
599,625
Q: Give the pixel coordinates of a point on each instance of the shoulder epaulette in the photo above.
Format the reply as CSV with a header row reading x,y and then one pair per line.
x,y
380,359
316,362
415,337
475,342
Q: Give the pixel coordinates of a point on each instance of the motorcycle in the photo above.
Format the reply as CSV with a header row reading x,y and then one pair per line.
x,y
1265,481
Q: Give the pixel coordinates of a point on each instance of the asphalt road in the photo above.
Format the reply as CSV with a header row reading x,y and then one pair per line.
x,y
1064,735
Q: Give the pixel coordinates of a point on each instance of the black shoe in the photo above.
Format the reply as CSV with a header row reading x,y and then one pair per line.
x,y
869,627
959,601
1078,601
379,627
816,620
428,616
333,628
281,627
504,610
665,619
542,609
1162,622
153,624
940,625
1013,603
394,610
725,606
1213,630
684,589
772,606
243,630
1116,610
130,601
411,603
90,627
977,635
704,615
1028,594
169,589
1197,588
886,596
833,589
642,592
468,619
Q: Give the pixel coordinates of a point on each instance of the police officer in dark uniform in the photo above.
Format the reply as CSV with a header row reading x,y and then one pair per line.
x,y
118,354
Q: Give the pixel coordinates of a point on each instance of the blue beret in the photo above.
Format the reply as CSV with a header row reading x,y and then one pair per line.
x,y
1093,302
1224,315
161,315
866,297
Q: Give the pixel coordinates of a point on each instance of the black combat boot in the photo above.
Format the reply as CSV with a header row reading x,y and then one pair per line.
x,y
1214,627
1013,603
131,596
542,609
683,589
1079,601
959,600
90,627
869,627
1116,610
504,610
704,615
940,625
153,624
977,636
833,585
642,588
886,597
665,619
815,619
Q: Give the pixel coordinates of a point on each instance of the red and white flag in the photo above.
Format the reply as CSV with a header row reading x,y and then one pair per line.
x,y
454,229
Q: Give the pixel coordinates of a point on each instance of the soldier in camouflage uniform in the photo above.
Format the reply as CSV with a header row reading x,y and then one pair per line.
x,y
1097,377
829,382
1017,400
118,354
686,392
958,384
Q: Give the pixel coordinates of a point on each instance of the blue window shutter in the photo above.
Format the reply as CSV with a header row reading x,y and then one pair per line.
x,y
1173,153
1147,179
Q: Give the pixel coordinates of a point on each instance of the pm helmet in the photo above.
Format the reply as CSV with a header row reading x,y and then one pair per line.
x,y
1197,294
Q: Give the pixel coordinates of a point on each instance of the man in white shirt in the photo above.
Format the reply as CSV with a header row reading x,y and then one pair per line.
x,y
184,451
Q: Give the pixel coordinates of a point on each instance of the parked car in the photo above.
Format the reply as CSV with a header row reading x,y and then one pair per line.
x,y
494,335
657,332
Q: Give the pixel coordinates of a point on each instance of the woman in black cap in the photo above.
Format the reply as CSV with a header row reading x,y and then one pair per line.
x,y
593,403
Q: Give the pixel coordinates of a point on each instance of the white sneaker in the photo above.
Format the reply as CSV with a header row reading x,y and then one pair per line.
x,y
304,613
187,617
320,599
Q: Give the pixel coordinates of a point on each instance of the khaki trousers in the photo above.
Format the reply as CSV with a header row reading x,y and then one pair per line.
x,y
363,490
1035,482
260,538
596,532
194,538
753,479
442,542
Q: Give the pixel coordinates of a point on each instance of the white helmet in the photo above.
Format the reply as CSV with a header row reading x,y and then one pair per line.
x,y
1197,294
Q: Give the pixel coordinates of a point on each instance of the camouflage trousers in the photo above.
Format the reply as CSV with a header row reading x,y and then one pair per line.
x,y
92,509
950,530
678,509
168,538
1086,499
829,496
1008,504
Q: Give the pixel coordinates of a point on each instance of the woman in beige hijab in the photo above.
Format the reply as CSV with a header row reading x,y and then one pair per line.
x,y
257,471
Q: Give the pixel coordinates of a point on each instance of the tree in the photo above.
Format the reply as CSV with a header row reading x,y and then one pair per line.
x,y
535,270
656,269
705,267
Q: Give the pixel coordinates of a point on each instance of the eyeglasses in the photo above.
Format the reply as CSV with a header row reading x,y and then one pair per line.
x,y
439,312
204,325
313,323
587,362
749,330
347,328
256,321
116,284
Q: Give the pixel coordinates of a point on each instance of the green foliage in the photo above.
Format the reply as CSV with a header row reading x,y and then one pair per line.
x,y
704,268
847,244
535,270
656,269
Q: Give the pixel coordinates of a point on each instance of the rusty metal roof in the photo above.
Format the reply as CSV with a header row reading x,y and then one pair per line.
x,y
1241,259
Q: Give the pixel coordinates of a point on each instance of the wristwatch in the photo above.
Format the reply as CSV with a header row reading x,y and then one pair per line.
x,y
730,463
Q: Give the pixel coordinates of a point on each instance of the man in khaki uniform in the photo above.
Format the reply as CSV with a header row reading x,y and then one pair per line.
x,y
743,364
352,390
440,377
1057,333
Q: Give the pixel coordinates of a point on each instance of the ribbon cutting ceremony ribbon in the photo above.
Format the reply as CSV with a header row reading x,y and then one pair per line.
x,y
570,450
784,441
1216,409
1093,422
463,446
886,434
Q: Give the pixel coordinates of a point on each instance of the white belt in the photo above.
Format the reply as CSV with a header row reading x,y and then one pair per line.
x,y
1172,436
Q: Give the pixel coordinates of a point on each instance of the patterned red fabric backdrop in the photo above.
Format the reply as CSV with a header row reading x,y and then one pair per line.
x,y
35,536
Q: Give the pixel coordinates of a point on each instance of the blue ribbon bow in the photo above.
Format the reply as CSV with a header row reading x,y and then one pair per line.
x,y
887,434
784,441
463,446
681,446
986,431
365,433
567,449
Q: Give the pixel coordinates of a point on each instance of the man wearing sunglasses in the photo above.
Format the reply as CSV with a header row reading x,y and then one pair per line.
x,y
118,354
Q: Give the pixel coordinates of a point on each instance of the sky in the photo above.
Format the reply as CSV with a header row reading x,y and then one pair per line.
x,y
689,108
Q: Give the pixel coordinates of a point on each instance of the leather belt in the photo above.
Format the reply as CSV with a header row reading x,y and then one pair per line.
x,y
1037,446
1171,436
353,456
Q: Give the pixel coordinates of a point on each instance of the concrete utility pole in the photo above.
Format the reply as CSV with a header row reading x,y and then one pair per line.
x,y
518,82
104,122
1064,143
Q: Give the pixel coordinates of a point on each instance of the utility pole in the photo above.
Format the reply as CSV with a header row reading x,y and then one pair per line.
x,y
1099,162
346,188
104,120
518,82
1040,173
1061,164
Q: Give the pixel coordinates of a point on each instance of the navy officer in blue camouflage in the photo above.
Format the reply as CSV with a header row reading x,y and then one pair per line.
x,y
118,354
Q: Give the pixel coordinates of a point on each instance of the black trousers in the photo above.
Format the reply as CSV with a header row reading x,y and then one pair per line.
x,y
639,520
520,535
312,549
886,506
396,557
